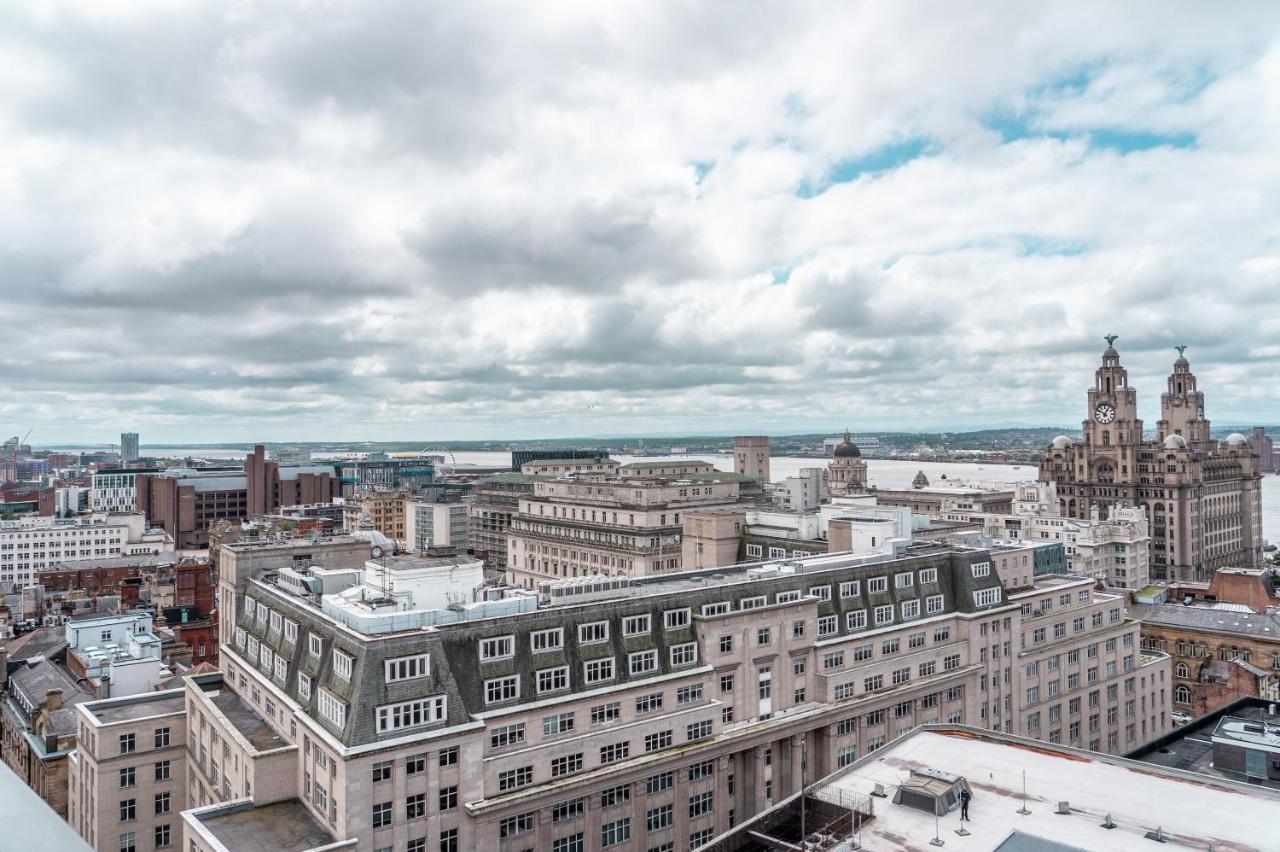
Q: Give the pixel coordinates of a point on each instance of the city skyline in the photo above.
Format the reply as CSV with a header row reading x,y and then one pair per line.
x,y
371,223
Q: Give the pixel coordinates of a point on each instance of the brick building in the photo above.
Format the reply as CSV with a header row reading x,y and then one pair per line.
x,y
1224,640
188,501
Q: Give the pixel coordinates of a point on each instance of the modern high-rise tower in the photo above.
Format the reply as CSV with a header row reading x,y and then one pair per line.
x,y
128,447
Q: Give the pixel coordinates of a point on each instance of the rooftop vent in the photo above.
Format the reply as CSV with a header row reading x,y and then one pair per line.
x,y
931,791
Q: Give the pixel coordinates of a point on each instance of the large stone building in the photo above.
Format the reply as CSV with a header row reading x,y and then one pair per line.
x,y
127,779
617,526
1202,497
751,456
617,712
188,501
1264,448
847,472
384,511
32,544
1223,637
1116,549
497,499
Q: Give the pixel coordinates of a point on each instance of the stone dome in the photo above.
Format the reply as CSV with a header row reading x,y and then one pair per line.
x,y
1175,442
1235,439
846,449
921,481
1060,443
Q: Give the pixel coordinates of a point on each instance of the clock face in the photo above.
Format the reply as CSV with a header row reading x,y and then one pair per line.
x,y
1104,413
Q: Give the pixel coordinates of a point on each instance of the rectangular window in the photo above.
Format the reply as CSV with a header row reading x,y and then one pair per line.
x,y
828,625
701,804
332,708
342,664
553,680
567,765
933,604
877,585
507,735
884,614
514,826
636,625
603,713
613,752
560,723
598,671
565,811
699,730
542,641
675,619
856,620
905,580
849,589
642,662
656,819
613,833
928,575
406,668
594,633
613,796
689,694
910,609
981,569
512,779
501,689
497,648
415,806
315,644
822,593
658,783
649,703
986,597
658,741
684,655
411,714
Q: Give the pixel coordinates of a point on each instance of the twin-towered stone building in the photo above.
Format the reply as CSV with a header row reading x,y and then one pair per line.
x,y
1203,497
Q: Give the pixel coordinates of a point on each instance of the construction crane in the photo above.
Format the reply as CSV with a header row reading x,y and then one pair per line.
x,y
18,445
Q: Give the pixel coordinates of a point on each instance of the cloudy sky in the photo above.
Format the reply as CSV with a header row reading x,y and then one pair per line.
x,y
334,220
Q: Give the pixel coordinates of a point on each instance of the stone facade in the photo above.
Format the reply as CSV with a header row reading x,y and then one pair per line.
x,y
607,526
751,456
657,711
128,775
1202,497
847,472
497,499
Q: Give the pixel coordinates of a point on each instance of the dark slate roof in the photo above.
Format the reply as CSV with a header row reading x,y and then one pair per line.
x,y
1262,626
457,673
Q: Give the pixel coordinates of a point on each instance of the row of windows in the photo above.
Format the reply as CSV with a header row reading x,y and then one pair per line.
x,y
499,690
597,632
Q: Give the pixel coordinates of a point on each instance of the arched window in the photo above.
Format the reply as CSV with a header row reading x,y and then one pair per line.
x,y
1183,670
1182,695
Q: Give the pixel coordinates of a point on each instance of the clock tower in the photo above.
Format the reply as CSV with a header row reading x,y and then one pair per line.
x,y
1182,406
1112,429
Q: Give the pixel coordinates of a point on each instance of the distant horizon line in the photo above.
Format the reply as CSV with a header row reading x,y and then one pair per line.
x,y
232,444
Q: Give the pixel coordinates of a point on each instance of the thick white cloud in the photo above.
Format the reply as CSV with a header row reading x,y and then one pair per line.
x,y
396,220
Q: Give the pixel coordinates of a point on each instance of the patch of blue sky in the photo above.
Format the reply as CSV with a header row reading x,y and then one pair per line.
x,y
883,159
1043,246
1012,127
702,168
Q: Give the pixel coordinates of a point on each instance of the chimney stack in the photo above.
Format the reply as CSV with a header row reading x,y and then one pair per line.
x,y
52,699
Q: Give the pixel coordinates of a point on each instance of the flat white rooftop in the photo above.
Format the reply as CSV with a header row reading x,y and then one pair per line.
x,y
1195,811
